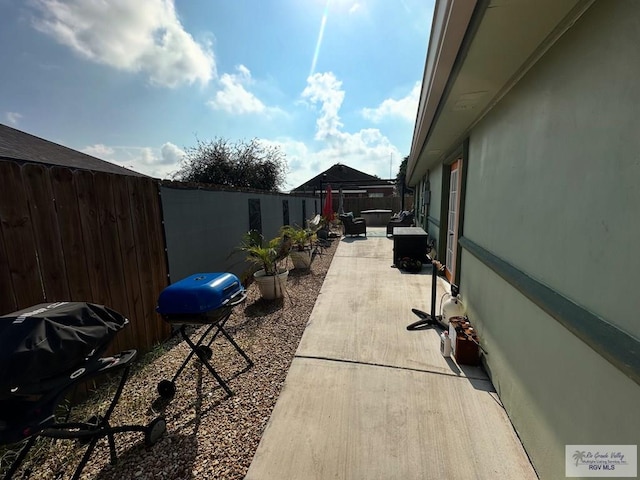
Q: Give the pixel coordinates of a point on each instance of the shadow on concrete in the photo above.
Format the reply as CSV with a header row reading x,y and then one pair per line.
x,y
353,239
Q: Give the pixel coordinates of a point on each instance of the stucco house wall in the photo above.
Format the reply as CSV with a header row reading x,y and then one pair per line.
x,y
553,188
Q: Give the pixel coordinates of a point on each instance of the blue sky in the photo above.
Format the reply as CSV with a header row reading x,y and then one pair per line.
x,y
136,82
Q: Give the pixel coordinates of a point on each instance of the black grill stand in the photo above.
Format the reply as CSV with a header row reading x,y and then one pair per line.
x,y
167,388
96,427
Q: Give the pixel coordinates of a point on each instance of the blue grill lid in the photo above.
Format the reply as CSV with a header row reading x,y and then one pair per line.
x,y
199,293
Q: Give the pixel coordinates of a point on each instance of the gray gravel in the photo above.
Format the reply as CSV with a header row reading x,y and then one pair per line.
x,y
209,435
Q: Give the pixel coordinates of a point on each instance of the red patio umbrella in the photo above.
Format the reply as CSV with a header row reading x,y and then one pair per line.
x,y
327,210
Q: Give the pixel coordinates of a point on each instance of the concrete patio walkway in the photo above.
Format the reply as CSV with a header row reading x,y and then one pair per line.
x,y
367,399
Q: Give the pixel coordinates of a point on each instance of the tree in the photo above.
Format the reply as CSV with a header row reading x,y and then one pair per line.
x,y
240,165
402,173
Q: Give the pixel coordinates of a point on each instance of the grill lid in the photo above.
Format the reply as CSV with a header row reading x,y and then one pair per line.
x,y
50,339
198,293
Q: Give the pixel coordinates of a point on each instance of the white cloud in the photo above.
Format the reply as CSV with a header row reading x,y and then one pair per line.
x,y
233,97
354,8
325,88
367,150
405,108
148,157
98,150
171,154
131,36
13,118
156,162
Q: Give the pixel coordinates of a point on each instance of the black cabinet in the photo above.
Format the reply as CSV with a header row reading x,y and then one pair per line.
x,y
410,242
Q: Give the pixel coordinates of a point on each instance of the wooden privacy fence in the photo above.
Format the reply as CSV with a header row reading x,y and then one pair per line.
x,y
77,235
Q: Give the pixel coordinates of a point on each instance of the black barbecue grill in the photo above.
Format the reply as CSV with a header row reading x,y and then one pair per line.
x,y
47,349
201,299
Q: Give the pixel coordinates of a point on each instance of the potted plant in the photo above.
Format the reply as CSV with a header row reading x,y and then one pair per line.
x,y
272,274
301,240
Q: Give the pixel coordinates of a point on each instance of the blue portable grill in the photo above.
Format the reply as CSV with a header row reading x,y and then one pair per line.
x,y
201,299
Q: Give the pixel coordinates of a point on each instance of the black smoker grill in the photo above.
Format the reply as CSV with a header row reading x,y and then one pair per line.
x,y
201,299
47,349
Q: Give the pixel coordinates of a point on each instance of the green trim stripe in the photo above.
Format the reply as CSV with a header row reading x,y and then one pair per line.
x,y
618,347
433,221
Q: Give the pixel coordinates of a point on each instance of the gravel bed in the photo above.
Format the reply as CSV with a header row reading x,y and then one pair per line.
x,y
209,435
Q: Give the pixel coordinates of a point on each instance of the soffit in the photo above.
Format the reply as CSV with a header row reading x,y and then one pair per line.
x,y
509,38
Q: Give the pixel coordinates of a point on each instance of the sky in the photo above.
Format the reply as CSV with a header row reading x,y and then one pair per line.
x,y
136,83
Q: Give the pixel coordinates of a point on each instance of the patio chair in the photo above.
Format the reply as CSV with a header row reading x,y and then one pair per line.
x,y
315,223
353,226
403,219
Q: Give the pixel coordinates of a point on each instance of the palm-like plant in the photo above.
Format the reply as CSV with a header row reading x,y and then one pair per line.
x,y
268,256
300,237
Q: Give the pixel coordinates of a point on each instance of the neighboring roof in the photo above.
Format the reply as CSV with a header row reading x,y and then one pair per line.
x,y
18,145
478,50
341,174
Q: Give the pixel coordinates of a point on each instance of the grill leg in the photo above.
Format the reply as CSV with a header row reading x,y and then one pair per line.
x,y
196,349
186,338
85,457
236,346
221,329
103,427
23,453
205,362
220,325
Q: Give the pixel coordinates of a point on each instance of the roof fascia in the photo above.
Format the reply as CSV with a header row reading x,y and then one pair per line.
x,y
451,19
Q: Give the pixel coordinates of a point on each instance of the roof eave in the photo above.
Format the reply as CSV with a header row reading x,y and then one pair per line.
x,y
476,56
450,21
